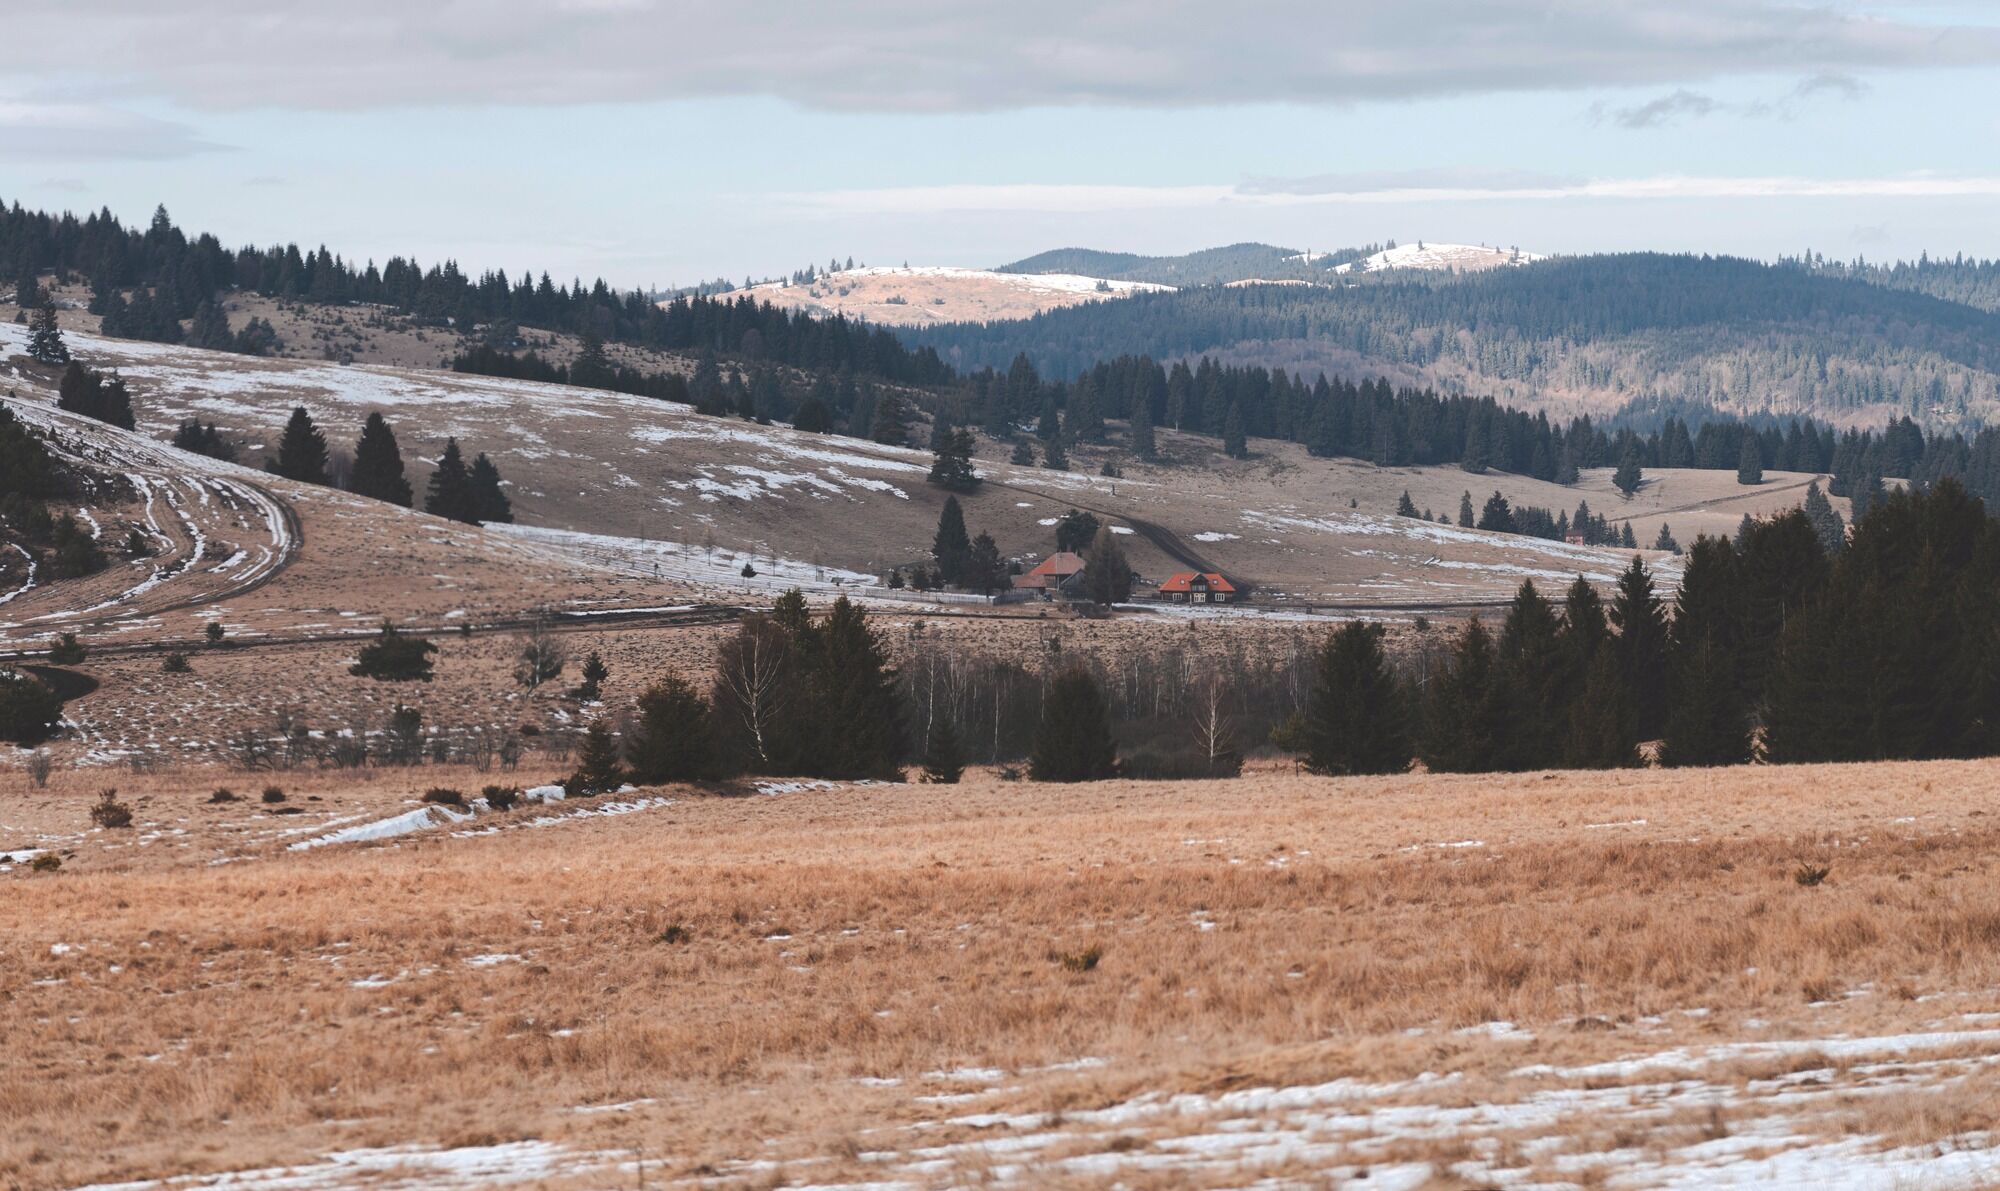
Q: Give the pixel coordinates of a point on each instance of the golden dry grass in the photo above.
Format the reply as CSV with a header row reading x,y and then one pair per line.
x,y
205,1017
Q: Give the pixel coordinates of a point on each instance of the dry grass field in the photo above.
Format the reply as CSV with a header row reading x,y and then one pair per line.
x,y
1589,979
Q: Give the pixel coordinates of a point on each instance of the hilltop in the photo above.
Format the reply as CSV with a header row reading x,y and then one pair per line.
x,y
918,296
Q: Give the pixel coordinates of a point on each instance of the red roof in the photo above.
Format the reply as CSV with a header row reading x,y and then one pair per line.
x,y
1060,565
1184,581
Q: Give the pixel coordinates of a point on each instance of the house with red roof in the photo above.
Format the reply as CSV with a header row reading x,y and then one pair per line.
x,y
1058,574
1198,587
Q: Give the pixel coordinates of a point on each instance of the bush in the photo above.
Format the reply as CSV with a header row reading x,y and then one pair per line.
x,y
46,862
39,767
109,812
501,798
214,633
223,794
67,652
29,710
176,663
749,572
1079,961
1810,875
273,794
392,657
444,795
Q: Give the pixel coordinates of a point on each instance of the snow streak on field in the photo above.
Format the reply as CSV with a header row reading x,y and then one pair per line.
x,y
1450,258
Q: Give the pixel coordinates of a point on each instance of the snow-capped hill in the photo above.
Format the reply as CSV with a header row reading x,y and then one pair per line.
x,y
917,295
1450,258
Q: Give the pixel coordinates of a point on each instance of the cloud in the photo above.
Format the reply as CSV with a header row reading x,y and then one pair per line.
x,y
1409,180
925,56
1307,192
1692,105
1666,109
1830,82
92,132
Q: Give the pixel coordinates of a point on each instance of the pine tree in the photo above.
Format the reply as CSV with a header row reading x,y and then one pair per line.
x,y
1826,521
853,692
1535,681
301,451
1107,577
812,416
985,570
1234,443
1355,720
944,757
378,464
1075,530
951,469
1498,516
1665,540
1627,538
1073,741
393,657
1465,519
597,767
210,329
1475,458
45,337
951,546
1641,648
450,491
671,740
594,673
1023,454
891,422
1055,456
1466,722
1405,507
1628,477
489,503
1707,721
1750,460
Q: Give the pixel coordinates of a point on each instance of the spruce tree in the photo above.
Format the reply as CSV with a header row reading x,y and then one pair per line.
x,y
378,464
1073,741
951,469
594,673
1465,518
1628,477
1535,681
1826,521
944,756
1234,442
301,451
853,693
1405,507
489,503
598,770
1750,460
1707,721
1641,648
951,546
1665,540
1466,722
1498,516
1141,428
210,329
1356,719
45,337
670,740
1075,530
1055,456
1107,577
985,570
450,494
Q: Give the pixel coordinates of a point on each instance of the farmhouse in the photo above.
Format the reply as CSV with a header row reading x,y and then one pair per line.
x,y
1058,574
1198,587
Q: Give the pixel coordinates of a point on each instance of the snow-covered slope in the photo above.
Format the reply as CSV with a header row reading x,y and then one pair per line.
x,y
918,295
1450,258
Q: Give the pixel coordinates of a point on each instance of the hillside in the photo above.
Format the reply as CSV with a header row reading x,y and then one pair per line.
x,y
924,295
1440,258
1577,335
1209,266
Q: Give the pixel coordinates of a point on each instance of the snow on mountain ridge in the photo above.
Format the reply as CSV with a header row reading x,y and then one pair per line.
x,y
1458,258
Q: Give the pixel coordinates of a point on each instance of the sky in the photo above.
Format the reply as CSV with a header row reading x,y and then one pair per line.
x,y
663,142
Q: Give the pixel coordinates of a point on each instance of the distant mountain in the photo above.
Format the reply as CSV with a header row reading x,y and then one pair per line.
x,y
1445,258
927,294
1210,266
1579,334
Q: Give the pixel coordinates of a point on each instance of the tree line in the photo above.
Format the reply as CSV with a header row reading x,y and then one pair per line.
x,y
456,490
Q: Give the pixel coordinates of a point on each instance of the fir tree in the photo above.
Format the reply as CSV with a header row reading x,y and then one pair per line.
x,y
1535,681
1750,461
671,740
891,423
1073,741
1475,458
210,329
1234,442
1627,538
985,570
301,451
951,469
45,337
378,464
1075,530
1465,518
951,546
1498,516
1055,456
944,757
594,673
597,767
1825,520
1355,718
1665,540
853,692
489,503
1405,507
812,416
1467,720
1023,454
1707,722
450,494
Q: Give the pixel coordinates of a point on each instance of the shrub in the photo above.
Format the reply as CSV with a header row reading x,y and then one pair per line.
x,y
39,767
109,812
392,657
444,795
1810,875
749,572
214,633
46,862
676,934
501,798
223,794
273,794
176,663
1079,961
29,710
67,652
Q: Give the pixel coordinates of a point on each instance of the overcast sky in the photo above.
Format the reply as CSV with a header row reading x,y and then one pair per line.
x,y
666,141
